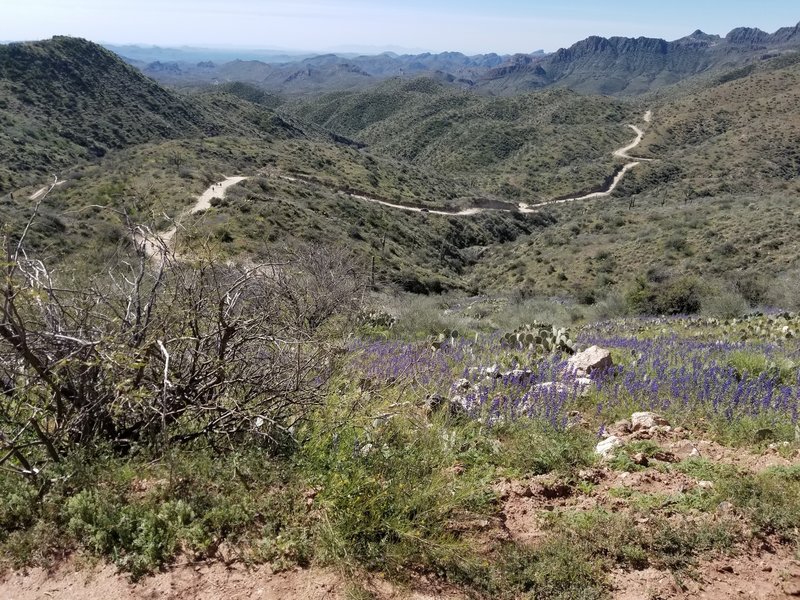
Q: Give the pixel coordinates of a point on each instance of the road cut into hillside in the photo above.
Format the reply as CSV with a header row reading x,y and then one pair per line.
x,y
522,207
155,244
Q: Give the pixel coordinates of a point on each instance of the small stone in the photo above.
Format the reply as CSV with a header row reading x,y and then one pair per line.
x,y
664,456
646,420
462,385
591,475
695,453
725,569
454,407
457,469
546,387
493,372
725,507
518,373
705,485
607,446
640,459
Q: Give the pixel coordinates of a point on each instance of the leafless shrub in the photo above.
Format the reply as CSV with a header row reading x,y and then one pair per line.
x,y
163,351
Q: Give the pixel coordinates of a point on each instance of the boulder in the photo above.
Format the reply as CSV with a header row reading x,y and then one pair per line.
x,y
647,420
607,446
591,359
454,407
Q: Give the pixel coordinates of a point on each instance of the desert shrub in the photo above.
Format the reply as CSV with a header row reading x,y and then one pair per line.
x,y
724,303
610,307
669,297
166,353
388,490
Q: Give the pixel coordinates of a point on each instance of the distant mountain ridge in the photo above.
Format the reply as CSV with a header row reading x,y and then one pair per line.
x,y
631,66
595,65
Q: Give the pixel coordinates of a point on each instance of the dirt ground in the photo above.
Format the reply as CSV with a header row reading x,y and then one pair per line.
x,y
212,581
762,571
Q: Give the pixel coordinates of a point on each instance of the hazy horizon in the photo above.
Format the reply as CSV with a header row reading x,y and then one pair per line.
x,y
469,26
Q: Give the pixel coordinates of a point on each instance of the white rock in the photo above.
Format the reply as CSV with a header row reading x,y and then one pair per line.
x,y
462,385
493,371
606,447
594,358
646,420
695,453
550,386
706,485
518,373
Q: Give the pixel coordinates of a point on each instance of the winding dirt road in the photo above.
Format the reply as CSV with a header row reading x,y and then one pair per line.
x,y
152,246
42,193
522,207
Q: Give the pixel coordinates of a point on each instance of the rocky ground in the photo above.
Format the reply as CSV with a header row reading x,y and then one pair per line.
x,y
763,569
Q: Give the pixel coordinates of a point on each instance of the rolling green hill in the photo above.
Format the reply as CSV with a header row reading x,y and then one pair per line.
x,y
724,149
739,133
66,100
530,148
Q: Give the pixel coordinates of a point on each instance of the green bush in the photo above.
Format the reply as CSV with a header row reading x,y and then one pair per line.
x,y
673,296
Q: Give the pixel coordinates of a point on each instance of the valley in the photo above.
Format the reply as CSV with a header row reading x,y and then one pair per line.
x,y
515,327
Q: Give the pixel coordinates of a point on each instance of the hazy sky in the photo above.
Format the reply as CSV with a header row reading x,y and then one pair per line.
x,y
464,25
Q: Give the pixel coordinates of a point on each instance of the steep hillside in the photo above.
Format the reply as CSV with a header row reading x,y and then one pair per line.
x,y
66,100
738,134
530,147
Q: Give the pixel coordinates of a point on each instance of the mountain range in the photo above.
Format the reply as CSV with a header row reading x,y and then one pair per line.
x,y
723,138
596,65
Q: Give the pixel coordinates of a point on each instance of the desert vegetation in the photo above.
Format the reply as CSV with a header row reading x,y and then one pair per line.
x,y
594,399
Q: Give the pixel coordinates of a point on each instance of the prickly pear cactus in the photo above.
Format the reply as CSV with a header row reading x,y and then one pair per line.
x,y
539,337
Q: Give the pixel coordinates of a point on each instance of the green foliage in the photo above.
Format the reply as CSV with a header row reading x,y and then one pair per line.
x,y
771,499
140,514
540,336
531,449
553,570
389,494
670,297
753,364
623,459
663,544
502,147
138,538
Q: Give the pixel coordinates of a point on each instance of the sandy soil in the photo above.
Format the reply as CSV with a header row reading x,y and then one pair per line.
x,y
202,582
215,191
